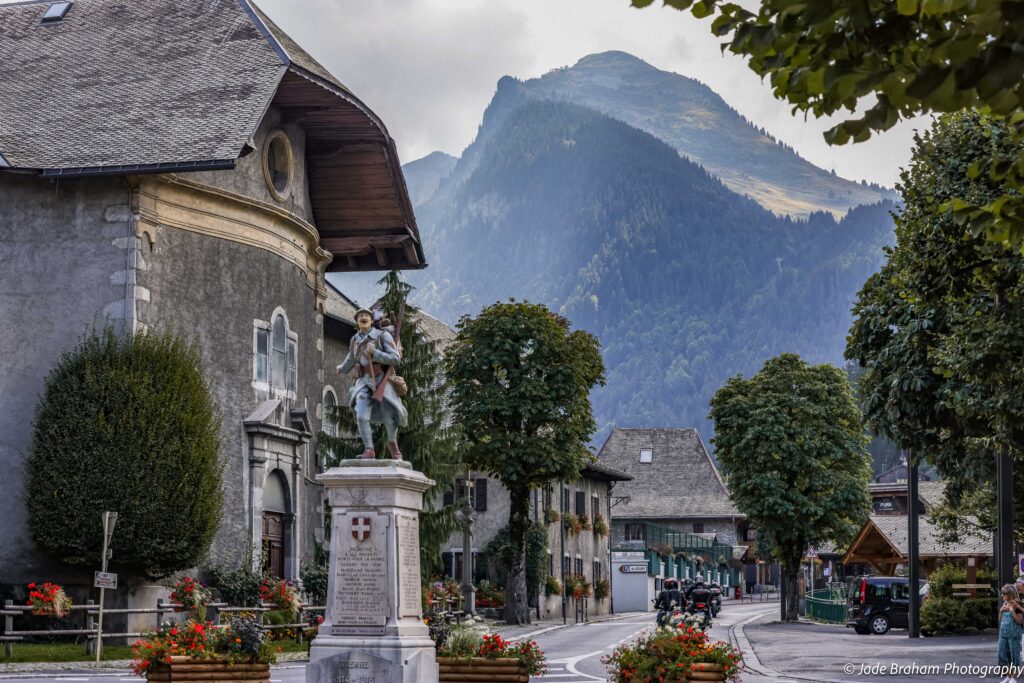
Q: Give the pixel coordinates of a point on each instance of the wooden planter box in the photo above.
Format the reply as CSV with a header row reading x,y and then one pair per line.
x,y
707,672
480,670
189,670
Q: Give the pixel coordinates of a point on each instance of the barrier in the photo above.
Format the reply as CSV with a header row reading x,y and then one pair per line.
x,y
826,606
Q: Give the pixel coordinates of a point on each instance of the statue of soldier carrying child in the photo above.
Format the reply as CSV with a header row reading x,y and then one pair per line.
x,y
376,396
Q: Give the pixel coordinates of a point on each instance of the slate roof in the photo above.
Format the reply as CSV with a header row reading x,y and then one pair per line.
x,y
894,529
102,88
680,482
133,86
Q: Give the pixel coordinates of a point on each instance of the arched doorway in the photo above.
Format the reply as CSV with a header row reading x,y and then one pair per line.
x,y
277,518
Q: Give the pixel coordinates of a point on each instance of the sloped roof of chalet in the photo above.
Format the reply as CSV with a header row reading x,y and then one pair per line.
x,y
891,530
435,329
130,86
340,307
681,481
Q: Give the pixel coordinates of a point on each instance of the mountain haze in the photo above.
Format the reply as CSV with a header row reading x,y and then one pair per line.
x,y
684,281
700,125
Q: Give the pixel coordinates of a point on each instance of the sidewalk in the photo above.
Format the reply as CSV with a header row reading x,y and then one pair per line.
x,y
110,667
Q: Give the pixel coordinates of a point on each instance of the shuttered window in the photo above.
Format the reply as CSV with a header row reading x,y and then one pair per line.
x,y
581,503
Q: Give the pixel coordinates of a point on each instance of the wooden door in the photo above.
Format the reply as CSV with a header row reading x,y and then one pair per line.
x,y
273,542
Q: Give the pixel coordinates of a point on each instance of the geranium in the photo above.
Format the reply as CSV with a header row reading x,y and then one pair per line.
x,y
48,599
602,589
573,525
600,525
577,586
528,654
192,595
281,594
242,640
670,655
584,522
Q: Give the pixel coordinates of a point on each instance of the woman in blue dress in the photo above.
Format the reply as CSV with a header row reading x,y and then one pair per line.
x,y
1011,617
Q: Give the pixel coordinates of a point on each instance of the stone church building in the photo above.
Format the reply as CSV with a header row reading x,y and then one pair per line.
x,y
185,166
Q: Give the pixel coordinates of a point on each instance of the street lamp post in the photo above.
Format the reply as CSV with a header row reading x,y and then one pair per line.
x,y
468,589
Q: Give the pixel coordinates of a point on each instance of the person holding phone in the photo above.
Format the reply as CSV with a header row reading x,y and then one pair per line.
x,y
1011,618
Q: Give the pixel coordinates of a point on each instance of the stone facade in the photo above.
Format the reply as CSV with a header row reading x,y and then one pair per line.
x,y
585,552
212,256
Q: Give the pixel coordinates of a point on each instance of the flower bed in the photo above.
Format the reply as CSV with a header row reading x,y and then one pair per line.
x,y
282,595
467,655
193,596
680,654
176,650
48,599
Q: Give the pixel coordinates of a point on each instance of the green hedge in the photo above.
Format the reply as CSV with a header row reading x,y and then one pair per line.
x,y
126,424
944,612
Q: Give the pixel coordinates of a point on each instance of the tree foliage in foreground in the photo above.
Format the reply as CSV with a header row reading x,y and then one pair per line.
x,y
430,441
126,424
907,57
940,329
792,448
520,382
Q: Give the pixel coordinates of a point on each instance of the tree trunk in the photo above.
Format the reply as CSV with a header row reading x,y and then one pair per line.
x,y
517,608
790,602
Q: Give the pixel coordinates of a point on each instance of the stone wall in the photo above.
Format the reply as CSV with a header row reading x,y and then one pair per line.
x,y
66,249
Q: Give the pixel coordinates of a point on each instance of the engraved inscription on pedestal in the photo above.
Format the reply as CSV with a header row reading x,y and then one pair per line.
x,y
360,604
409,603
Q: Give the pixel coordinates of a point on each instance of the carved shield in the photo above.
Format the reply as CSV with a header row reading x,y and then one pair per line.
x,y
361,528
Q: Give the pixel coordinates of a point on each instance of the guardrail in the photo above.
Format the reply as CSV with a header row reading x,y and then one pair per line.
x,y
825,606
90,610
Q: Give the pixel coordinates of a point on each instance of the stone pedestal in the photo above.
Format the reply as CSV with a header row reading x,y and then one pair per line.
x,y
373,631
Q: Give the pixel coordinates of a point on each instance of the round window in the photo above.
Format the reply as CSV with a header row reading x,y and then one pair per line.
x,y
277,164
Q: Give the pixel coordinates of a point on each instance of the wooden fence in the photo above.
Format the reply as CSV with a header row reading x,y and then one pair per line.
x,y
90,629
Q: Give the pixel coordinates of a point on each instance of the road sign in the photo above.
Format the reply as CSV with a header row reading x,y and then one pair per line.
x,y
810,553
105,580
633,569
1020,563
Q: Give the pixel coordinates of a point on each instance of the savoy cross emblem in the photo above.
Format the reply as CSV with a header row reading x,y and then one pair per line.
x,y
360,528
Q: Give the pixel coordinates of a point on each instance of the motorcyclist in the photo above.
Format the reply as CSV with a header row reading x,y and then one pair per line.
x,y
716,598
668,598
700,594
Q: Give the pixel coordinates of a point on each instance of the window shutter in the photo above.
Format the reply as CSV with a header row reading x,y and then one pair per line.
x,y
260,373
581,503
449,499
480,504
595,506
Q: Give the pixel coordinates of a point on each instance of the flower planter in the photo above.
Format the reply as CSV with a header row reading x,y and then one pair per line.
x,y
706,672
190,670
481,670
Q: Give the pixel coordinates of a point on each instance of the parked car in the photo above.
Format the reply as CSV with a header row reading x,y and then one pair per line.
x,y
878,603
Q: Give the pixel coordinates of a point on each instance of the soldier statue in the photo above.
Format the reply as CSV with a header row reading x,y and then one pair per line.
x,y
374,400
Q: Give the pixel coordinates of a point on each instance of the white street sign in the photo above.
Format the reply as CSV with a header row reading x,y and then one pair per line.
x,y
106,580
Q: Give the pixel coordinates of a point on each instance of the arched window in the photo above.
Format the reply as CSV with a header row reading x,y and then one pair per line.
x,y
279,352
275,352
330,403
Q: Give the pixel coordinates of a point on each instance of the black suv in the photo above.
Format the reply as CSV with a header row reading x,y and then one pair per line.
x,y
878,603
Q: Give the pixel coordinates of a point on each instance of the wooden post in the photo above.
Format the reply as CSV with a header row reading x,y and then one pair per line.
x,y
8,627
90,624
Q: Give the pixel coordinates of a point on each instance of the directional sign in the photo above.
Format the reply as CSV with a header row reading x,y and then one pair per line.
x,y
105,580
1020,563
633,569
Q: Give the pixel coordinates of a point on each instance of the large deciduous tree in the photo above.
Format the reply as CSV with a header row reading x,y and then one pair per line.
x,y
940,329
430,441
792,446
905,57
126,424
520,382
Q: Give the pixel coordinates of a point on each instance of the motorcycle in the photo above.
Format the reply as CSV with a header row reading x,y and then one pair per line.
x,y
716,601
669,617
699,616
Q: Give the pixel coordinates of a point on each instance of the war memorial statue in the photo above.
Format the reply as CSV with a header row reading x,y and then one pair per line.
x,y
377,393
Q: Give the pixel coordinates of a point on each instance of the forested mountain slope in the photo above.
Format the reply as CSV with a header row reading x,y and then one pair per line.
x,y
685,281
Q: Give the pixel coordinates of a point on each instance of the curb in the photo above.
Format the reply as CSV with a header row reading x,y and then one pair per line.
x,y
740,640
110,667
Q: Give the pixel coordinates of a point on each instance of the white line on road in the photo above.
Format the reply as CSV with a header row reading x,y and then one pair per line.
x,y
570,665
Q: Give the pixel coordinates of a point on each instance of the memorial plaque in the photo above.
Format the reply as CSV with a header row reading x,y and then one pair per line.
x,y
354,666
409,596
360,580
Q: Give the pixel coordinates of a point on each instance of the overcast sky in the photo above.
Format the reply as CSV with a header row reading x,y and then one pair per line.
x,y
429,67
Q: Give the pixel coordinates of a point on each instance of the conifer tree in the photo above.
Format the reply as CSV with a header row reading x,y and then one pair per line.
x,y
429,442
